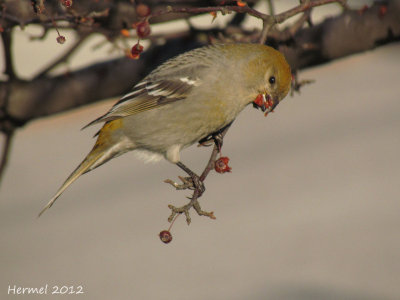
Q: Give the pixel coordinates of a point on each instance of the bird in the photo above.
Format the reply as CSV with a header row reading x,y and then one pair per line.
x,y
185,100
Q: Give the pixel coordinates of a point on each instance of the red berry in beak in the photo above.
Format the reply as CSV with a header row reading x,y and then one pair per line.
x,y
260,102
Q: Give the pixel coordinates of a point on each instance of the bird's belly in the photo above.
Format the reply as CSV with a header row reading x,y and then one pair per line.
x,y
175,124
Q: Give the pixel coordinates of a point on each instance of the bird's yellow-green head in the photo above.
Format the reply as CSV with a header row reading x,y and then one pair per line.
x,y
267,73
277,75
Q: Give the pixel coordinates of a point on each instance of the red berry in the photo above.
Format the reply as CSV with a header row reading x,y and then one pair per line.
x,y
61,39
221,165
143,29
259,100
165,236
67,3
142,10
136,50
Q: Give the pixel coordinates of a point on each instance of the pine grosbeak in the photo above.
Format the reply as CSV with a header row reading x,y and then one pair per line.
x,y
185,100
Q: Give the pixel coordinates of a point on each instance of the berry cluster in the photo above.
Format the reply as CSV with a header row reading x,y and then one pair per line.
x,y
143,30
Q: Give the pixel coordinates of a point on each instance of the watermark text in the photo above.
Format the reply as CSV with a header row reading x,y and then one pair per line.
x,y
45,290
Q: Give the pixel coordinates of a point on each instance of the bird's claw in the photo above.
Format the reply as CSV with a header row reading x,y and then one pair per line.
x,y
191,183
187,183
216,138
206,143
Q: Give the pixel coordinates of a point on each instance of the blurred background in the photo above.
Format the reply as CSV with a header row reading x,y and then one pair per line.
x,y
311,209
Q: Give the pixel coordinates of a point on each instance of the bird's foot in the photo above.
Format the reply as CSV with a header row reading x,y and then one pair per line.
x,y
216,138
205,143
187,183
185,209
192,183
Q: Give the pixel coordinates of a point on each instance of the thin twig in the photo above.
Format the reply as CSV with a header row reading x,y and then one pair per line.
x,y
214,153
271,7
290,31
197,192
5,153
267,25
10,18
63,58
6,38
306,5
200,10
268,20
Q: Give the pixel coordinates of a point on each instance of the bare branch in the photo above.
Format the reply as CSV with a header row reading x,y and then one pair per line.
x,y
268,20
271,7
214,153
200,10
306,5
309,46
217,137
8,136
9,67
63,58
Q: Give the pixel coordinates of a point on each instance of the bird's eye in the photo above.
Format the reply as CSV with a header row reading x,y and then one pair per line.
x,y
271,80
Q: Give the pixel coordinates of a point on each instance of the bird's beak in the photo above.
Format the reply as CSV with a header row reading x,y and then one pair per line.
x,y
266,103
271,104
275,102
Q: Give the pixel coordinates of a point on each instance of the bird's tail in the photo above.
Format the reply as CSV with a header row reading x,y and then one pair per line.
x,y
107,146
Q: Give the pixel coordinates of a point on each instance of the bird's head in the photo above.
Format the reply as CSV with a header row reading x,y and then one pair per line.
x,y
272,78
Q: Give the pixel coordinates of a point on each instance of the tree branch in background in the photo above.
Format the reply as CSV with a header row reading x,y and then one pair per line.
x,y
5,152
6,39
22,101
63,58
309,46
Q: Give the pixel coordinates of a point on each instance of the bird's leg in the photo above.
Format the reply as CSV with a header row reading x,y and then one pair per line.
x,y
186,183
195,182
215,138
218,140
193,179
192,182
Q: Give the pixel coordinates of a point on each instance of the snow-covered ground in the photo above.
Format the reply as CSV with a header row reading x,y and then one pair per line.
x,y
310,211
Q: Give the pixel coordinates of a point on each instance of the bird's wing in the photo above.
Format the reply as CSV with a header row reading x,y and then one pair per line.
x,y
154,91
